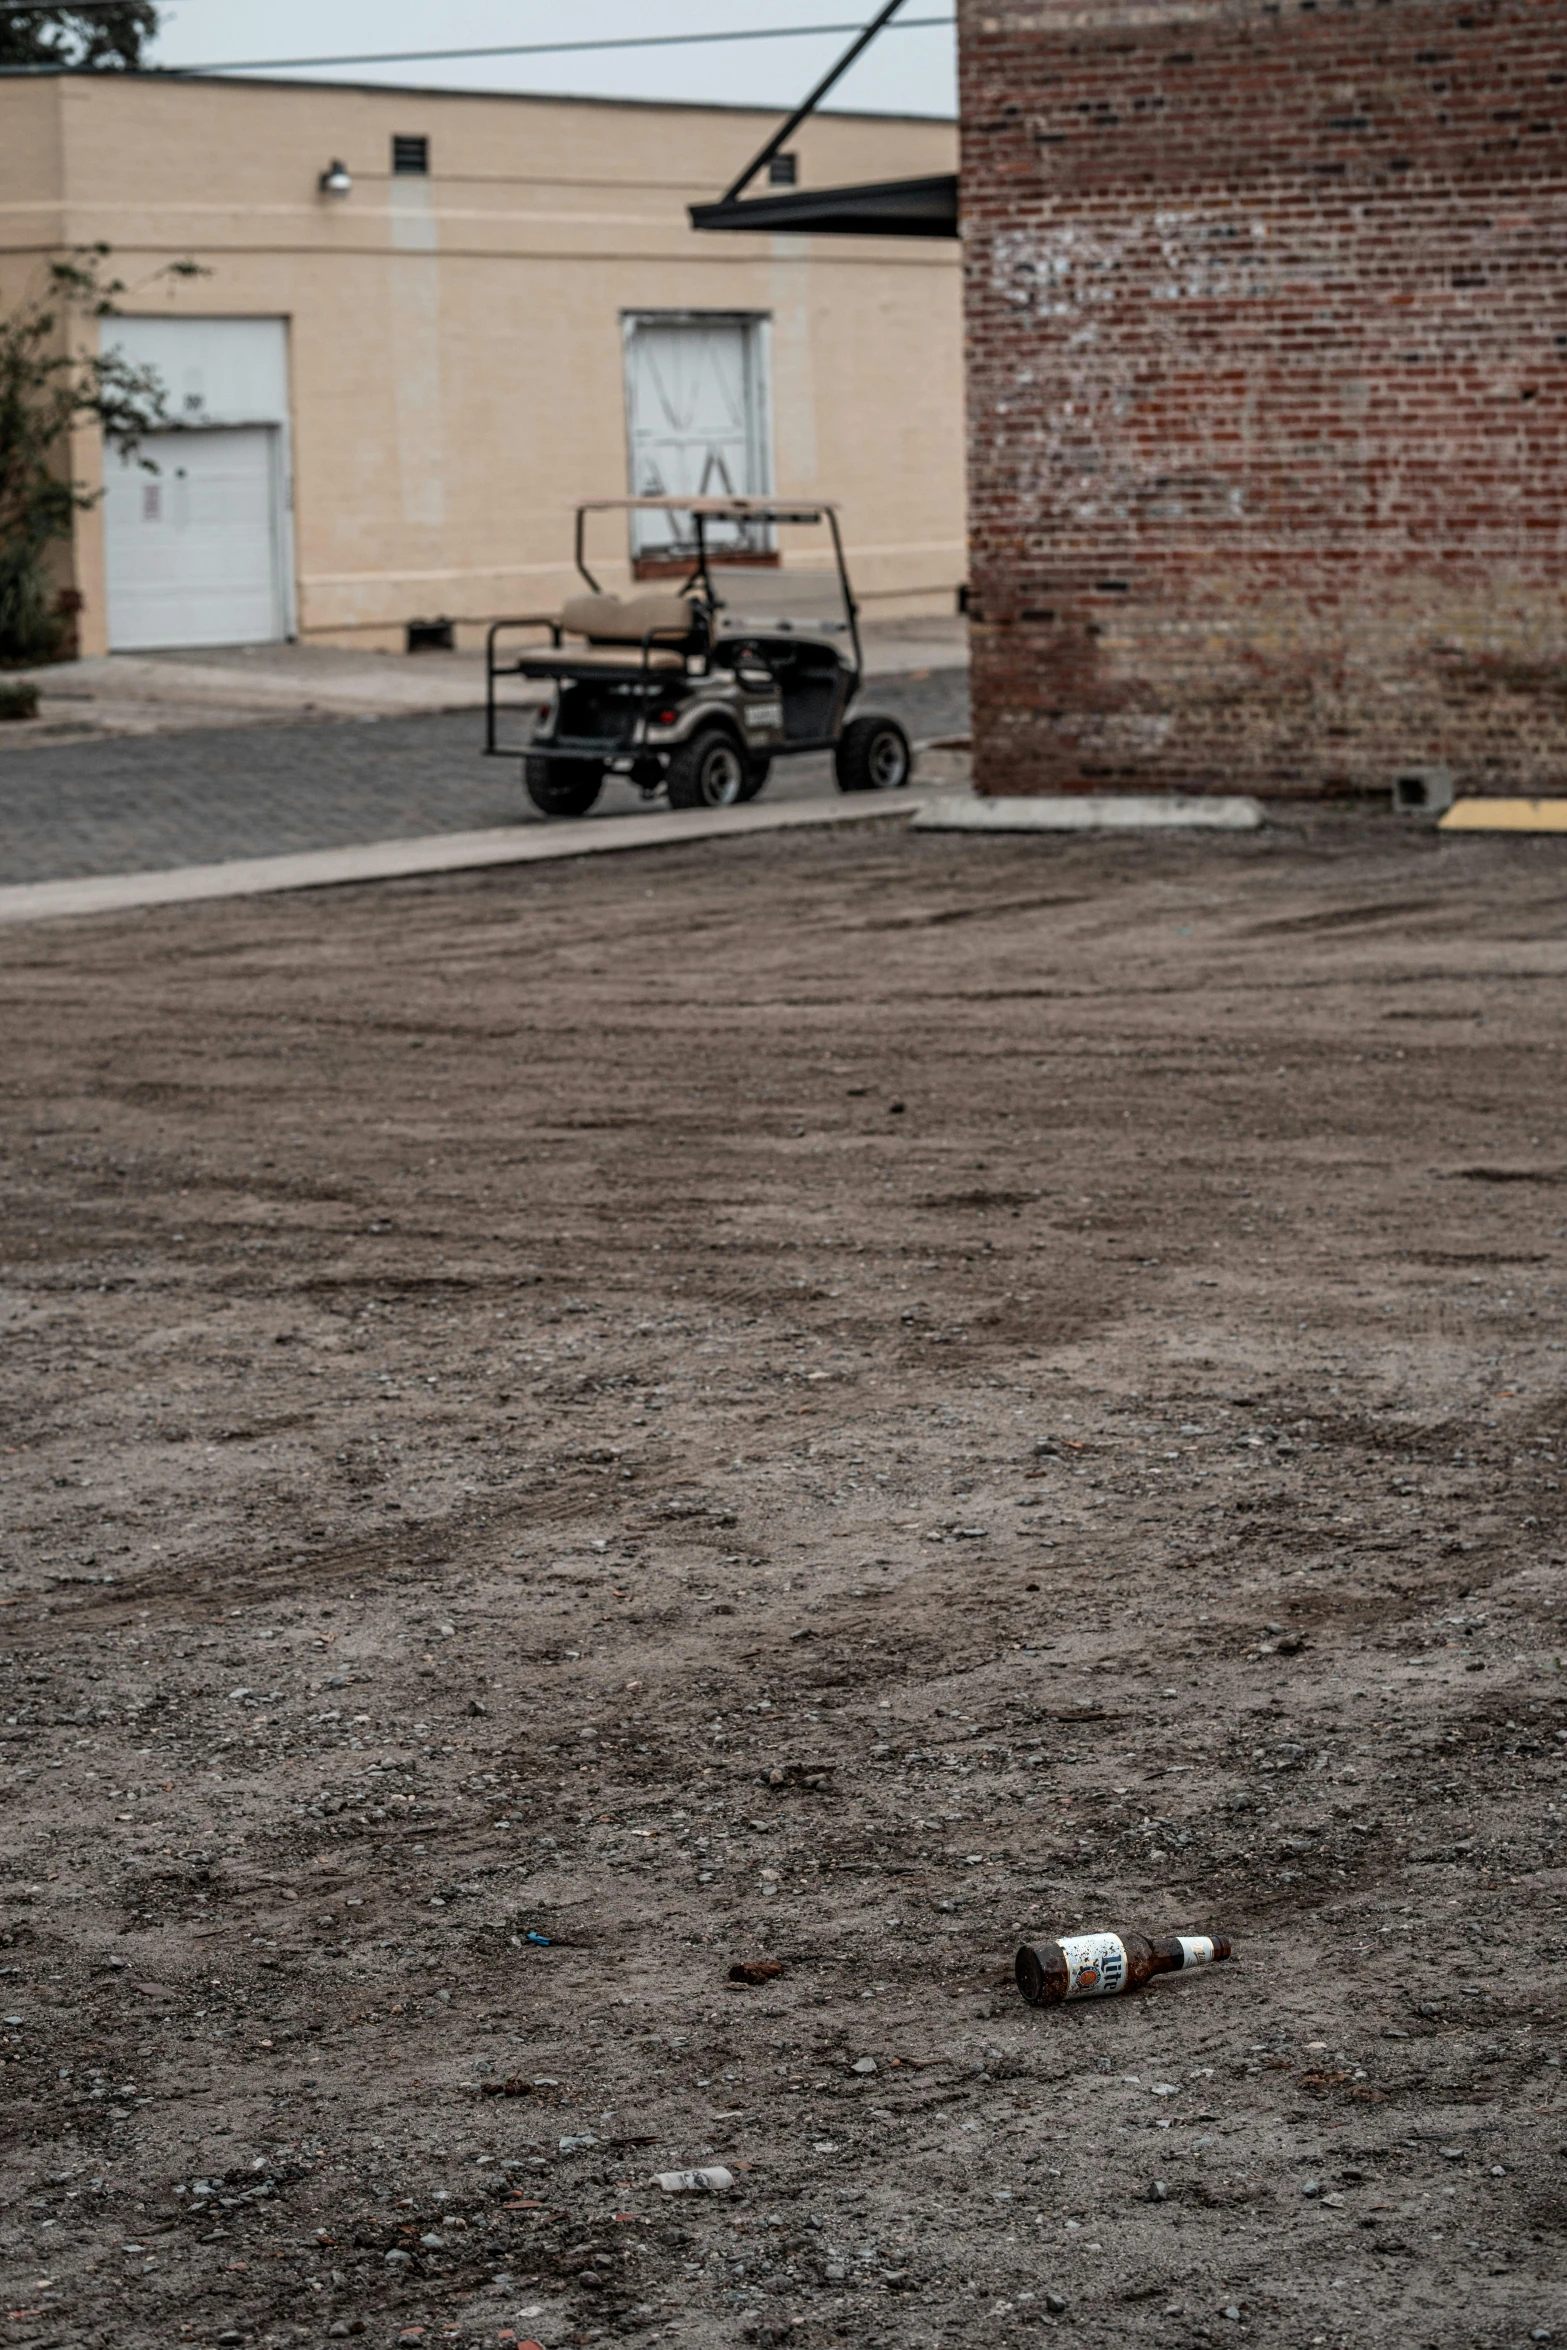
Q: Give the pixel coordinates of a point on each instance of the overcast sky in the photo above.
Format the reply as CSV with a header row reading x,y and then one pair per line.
x,y
903,71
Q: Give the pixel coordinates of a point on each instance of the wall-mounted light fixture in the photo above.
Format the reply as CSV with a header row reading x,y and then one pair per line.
x,y
336,180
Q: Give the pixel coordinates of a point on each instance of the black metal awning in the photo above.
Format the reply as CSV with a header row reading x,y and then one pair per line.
x,y
884,208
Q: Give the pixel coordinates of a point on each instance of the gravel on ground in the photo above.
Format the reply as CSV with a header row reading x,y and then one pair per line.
x,y
834,1402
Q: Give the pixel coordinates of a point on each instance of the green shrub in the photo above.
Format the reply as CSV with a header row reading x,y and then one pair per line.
x,y
48,386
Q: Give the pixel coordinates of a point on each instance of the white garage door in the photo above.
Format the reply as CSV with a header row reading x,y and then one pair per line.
x,y
696,397
193,551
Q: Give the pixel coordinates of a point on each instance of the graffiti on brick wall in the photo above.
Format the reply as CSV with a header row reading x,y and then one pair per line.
x,y
1267,409
1268,418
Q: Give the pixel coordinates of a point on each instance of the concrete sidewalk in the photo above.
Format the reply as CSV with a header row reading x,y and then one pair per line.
x,y
173,693
118,694
448,852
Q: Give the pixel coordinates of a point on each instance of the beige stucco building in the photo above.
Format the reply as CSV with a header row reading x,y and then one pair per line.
x,y
392,395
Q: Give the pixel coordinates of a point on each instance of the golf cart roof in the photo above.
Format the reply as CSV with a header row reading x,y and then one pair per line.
x,y
718,509
704,556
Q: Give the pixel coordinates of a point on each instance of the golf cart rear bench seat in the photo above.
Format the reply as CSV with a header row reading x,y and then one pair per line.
x,y
617,630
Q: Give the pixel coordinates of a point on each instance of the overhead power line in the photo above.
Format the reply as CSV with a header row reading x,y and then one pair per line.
x,y
42,8
789,32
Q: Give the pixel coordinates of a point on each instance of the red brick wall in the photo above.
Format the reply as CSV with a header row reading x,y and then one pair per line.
x,y
1267,320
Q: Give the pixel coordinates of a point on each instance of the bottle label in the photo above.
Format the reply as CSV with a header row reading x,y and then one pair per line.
x,y
1196,1949
1095,1965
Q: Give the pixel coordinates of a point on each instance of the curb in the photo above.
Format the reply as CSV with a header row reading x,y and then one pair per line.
x,y
1505,816
406,860
1087,812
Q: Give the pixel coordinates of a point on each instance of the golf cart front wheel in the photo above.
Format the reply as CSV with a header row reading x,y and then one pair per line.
x,y
562,787
873,755
756,774
707,772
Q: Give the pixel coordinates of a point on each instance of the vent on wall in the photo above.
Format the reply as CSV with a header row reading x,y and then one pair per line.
x,y
431,636
411,155
783,171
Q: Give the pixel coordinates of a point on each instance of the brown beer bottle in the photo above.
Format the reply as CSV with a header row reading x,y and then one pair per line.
x,y
1098,1966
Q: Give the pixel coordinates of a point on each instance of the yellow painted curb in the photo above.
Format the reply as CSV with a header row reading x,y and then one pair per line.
x,y
1505,816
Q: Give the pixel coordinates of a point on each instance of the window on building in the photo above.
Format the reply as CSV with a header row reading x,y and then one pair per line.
x,y
697,405
783,171
410,154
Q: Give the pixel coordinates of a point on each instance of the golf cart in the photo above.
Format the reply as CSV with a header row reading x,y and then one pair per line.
x,y
675,691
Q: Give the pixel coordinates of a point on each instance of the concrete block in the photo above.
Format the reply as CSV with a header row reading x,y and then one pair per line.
x,y
1422,791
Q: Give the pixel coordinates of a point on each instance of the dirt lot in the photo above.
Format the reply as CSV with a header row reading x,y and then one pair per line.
x,y
842,1400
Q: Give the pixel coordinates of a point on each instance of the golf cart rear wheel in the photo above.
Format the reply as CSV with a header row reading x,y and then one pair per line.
x,y
756,774
707,772
873,755
562,787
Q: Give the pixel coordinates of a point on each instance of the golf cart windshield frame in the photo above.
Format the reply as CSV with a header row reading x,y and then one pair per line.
x,y
706,511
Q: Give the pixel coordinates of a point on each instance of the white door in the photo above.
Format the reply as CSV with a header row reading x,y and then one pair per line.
x,y
193,551
697,416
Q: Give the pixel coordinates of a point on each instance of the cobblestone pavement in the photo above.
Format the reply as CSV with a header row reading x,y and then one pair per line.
x,y
140,804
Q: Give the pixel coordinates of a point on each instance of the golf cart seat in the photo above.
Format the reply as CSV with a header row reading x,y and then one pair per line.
x,y
617,629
